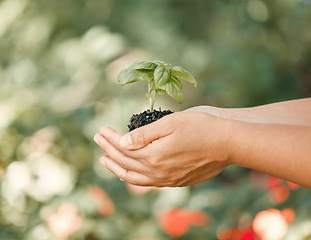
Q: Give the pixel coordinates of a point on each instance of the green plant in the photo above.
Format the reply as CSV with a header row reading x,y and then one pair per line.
x,y
161,77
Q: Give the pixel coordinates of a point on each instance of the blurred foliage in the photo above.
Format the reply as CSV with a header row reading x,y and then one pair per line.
x,y
58,66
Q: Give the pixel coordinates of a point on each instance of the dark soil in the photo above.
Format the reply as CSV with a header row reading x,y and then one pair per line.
x,y
146,117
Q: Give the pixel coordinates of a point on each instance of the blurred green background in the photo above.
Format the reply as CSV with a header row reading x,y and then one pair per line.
x,y
58,66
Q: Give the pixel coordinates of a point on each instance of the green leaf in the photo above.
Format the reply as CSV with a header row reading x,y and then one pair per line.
x,y
162,75
131,75
143,65
158,62
160,91
177,80
179,72
173,89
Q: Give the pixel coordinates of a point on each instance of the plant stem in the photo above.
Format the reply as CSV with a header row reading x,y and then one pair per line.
x,y
151,99
151,104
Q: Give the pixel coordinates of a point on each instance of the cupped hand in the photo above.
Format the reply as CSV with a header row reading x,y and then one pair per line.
x,y
180,149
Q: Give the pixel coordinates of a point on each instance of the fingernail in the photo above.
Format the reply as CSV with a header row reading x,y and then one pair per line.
x,y
121,179
101,160
96,138
126,141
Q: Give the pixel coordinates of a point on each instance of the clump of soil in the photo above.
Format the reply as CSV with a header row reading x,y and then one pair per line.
x,y
146,117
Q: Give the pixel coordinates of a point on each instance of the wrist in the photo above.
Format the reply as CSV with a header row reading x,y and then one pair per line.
x,y
235,141
220,129
242,143
224,138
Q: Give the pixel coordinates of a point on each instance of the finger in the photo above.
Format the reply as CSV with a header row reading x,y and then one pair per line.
x,y
115,139
112,136
145,135
125,175
118,157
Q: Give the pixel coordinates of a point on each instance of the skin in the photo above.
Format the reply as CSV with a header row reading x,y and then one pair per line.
x,y
189,147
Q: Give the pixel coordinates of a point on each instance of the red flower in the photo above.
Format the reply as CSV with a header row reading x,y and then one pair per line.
x,y
288,214
270,225
236,234
279,192
273,183
176,222
103,201
65,221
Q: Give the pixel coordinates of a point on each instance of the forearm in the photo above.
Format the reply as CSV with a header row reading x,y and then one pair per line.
x,y
295,112
280,150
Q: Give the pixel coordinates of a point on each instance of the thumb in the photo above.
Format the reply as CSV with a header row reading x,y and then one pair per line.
x,y
142,136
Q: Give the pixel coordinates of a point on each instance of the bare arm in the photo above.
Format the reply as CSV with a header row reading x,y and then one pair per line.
x,y
277,149
294,112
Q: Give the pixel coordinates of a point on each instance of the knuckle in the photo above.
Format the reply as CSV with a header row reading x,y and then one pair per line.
x,y
158,175
153,162
162,175
139,136
168,125
124,176
131,179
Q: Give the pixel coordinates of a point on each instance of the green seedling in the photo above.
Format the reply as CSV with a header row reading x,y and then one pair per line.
x,y
161,78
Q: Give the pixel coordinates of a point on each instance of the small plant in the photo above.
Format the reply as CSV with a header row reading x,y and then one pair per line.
x,y
161,78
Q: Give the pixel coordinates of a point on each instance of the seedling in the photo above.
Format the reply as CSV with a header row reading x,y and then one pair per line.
x,y
161,78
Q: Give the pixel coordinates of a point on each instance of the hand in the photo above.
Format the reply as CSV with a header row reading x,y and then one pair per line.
x,y
180,149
